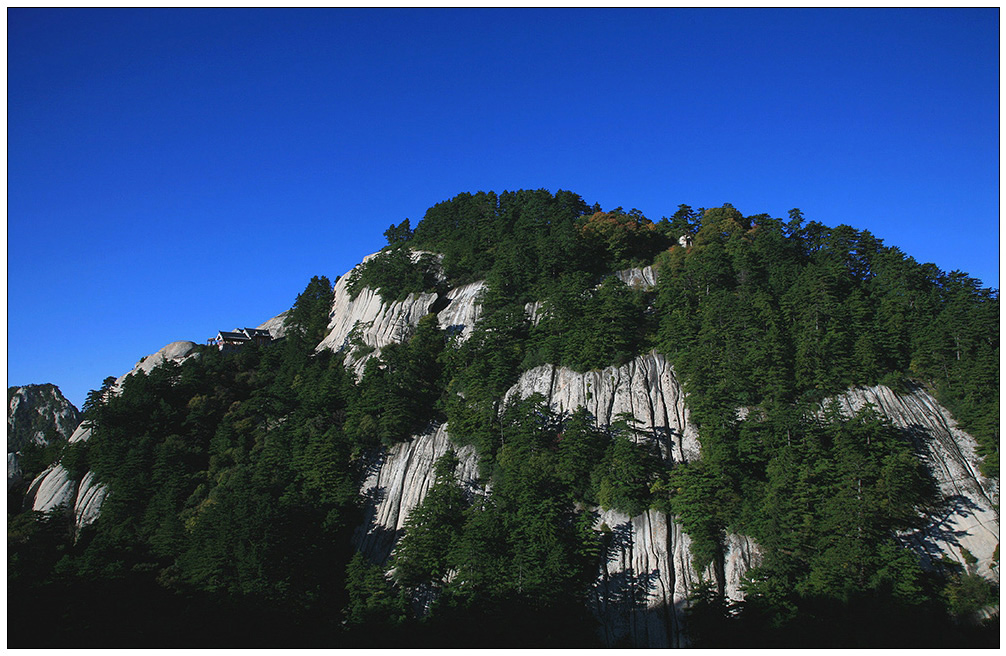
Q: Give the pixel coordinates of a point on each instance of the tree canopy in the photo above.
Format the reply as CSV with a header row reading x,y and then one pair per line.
x,y
234,478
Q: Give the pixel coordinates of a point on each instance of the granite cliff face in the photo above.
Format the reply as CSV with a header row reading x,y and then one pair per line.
x,y
397,482
643,585
645,388
175,352
362,326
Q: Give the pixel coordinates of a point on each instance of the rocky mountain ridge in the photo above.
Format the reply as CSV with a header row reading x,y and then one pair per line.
x,y
643,585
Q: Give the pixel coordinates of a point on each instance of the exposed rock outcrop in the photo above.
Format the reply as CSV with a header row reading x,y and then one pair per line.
x,y
463,309
57,489
645,388
362,326
398,481
87,505
52,489
646,575
639,278
178,352
276,326
639,595
970,516
82,434
644,583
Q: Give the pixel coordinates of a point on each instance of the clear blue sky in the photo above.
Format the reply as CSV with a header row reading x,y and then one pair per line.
x,y
172,173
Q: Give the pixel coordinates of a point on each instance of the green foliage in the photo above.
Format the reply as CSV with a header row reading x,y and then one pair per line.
x,y
530,543
627,470
74,459
398,234
967,594
233,479
34,434
308,318
401,391
625,239
619,328
432,528
374,602
395,273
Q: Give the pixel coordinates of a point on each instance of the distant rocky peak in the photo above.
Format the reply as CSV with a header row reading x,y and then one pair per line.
x,y
38,414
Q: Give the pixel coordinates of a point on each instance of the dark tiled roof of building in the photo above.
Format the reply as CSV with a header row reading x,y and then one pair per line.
x,y
237,337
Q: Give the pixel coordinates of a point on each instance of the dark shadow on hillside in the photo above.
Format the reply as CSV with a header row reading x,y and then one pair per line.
x,y
621,598
371,539
936,525
871,620
664,439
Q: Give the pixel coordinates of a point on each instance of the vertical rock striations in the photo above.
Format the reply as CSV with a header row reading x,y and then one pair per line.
x,y
645,388
647,575
397,481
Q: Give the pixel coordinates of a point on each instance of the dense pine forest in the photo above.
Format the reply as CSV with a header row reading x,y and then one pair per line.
x,y
234,478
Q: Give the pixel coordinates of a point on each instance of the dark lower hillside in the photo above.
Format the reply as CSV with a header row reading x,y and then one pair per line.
x,y
234,479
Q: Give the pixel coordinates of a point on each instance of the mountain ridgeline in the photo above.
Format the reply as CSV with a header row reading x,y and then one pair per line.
x,y
530,422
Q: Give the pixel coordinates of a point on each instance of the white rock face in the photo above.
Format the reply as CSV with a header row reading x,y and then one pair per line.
x,y
644,278
638,596
535,311
377,324
647,576
643,586
82,434
52,489
34,409
87,505
55,488
399,481
175,351
742,554
462,311
275,325
646,388
13,471
971,518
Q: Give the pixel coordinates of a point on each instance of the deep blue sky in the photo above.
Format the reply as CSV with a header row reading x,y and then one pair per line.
x,y
172,173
